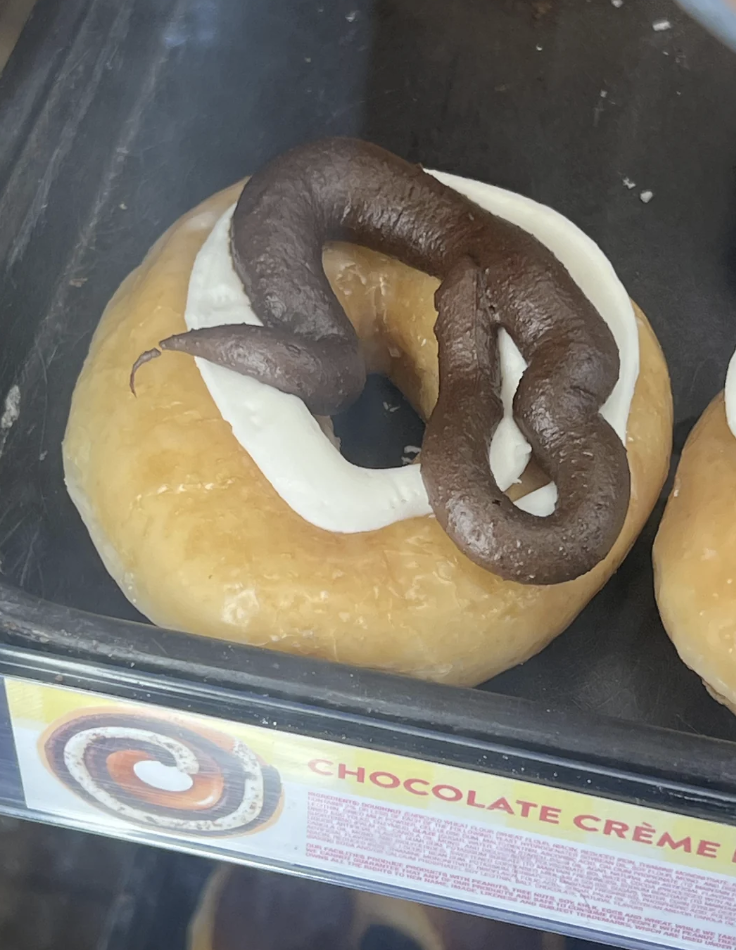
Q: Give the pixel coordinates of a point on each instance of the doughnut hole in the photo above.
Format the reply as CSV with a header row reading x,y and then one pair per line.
x,y
392,309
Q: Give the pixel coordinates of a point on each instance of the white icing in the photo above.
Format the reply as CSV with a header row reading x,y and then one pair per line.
x,y
290,446
730,395
167,778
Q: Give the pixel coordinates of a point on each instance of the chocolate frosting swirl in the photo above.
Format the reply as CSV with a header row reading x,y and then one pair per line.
x,y
494,275
95,755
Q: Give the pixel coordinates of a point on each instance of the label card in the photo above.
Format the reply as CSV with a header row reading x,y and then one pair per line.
x,y
247,792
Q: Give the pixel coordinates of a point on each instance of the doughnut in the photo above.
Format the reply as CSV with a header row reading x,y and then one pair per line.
x,y
695,549
214,491
204,783
245,908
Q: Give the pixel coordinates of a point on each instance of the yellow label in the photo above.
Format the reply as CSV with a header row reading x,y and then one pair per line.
x,y
547,852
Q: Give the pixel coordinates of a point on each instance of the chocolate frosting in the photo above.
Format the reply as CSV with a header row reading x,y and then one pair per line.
x,y
494,275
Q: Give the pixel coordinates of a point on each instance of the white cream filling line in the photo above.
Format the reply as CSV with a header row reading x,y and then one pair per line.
x,y
298,458
730,395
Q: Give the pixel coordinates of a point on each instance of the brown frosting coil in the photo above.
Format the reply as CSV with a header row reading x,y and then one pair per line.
x,y
495,275
95,755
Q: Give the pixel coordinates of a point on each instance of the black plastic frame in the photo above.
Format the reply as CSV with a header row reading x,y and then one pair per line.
x,y
471,729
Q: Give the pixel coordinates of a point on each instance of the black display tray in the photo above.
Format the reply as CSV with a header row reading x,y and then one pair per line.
x,y
118,115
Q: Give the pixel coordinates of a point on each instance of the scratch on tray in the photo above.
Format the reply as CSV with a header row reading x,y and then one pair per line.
x,y
66,138
11,412
11,408
11,532
28,556
161,648
45,363
112,172
602,96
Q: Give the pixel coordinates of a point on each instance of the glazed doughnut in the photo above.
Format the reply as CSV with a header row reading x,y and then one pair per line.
x,y
213,785
220,506
246,909
695,550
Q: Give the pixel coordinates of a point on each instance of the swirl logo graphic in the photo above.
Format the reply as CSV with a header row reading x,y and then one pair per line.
x,y
162,774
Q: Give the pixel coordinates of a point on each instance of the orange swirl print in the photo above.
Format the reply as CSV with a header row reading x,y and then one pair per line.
x,y
221,787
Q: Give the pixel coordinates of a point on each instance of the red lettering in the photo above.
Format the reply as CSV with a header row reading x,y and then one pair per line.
x,y
708,849
411,782
393,780
321,766
644,834
454,796
617,828
669,841
526,807
579,819
471,800
549,814
501,805
343,771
